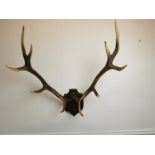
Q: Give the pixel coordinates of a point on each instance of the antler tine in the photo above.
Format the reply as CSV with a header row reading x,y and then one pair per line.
x,y
117,41
112,56
109,65
28,67
115,52
22,43
26,57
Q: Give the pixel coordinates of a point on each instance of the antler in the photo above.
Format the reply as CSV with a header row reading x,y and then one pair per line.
x,y
28,67
109,65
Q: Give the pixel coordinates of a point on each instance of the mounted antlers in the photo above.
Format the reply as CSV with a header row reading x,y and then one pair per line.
x,y
73,100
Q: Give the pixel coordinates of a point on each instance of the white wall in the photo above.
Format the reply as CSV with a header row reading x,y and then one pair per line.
x,y
69,54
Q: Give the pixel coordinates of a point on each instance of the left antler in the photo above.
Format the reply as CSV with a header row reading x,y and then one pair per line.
x,y
28,67
109,65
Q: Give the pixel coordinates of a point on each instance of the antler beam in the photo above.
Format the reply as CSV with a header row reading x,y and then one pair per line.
x,y
109,65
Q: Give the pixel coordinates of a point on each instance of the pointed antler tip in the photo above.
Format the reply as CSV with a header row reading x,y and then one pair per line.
x,y
116,27
115,21
6,66
31,47
38,91
9,67
23,28
125,66
118,68
15,69
33,92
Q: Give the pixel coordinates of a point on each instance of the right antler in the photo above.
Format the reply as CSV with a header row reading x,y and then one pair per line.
x,y
109,65
28,67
